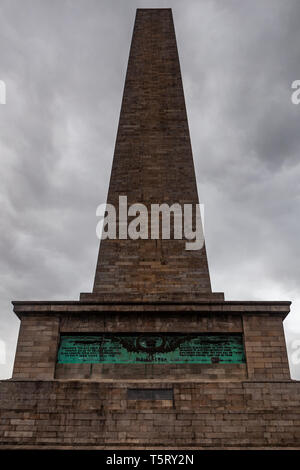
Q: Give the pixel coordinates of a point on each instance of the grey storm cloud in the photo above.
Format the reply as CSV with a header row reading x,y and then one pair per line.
x,y
64,65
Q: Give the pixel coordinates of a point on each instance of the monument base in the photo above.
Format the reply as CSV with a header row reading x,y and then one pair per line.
x,y
95,415
251,404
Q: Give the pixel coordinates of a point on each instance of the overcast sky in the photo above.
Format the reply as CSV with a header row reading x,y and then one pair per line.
x,y
64,64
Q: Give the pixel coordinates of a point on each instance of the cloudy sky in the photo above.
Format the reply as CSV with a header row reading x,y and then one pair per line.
x,y
64,64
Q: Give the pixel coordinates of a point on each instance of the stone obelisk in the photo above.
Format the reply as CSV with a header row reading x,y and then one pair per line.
x,y
152,358
153,164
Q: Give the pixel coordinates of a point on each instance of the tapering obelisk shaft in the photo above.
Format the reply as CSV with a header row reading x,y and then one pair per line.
x,y
152,163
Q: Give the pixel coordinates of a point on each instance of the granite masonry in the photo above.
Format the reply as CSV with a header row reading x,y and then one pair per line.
x,y
151,287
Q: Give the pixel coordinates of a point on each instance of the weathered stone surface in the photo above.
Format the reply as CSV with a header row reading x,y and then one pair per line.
x,y
97,415
153,164
37,347
263,339
151,286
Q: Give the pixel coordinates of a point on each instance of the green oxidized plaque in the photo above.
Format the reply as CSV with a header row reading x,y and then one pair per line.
x,y
152,348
